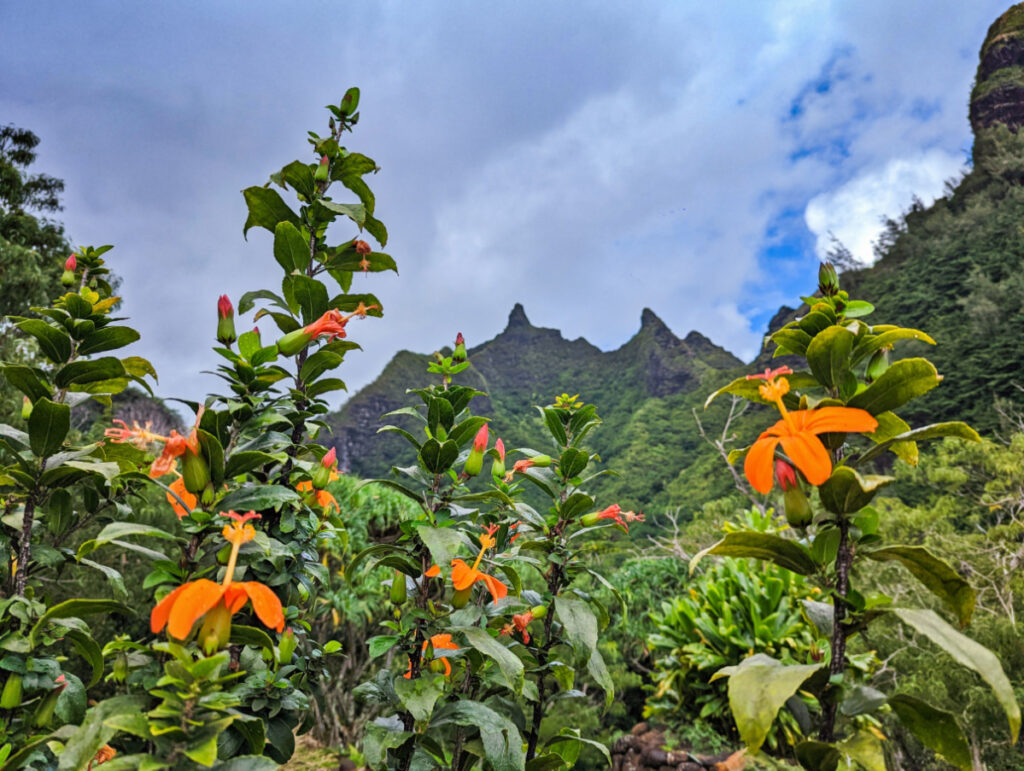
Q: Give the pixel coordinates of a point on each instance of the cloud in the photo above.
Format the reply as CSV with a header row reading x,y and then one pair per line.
x,y
854,213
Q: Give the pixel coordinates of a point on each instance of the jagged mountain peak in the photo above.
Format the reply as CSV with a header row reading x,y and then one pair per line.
x,y
517,317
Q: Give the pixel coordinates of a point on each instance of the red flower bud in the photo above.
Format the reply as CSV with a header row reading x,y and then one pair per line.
x,y
224,307
225,321
71,263
500,447
480,442
786,475
330,460
323,160
362,248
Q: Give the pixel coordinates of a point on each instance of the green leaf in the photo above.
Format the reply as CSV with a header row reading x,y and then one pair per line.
x,y
78,608
554,424
784,552
579,625
891,425
107,339
846,491
317,364
758,688
933,431
248,763
89,650
381,644
508,663
89,371
419,695
48,424
298,175
251,635
861,699
444,543
248,300
257,497
904,380
266,209
381,735
599,671
828,354
53,342
572,463
935,729
874,343
93,733
863,750
791,340
113,576
817,756
27,381
309,296
436,457
747,388
117,530
246,460
502,743
856,309
967,653
354,211
940,578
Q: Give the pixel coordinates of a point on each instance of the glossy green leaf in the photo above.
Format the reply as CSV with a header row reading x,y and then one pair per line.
x,y
904,380
847,491
89,650
256,497
89,371
579,626
863,750
436,457
27,381
502,742
891,425
107,339
784,552
307,295
420,695
78,608
444,543
93,732
935,729
246,460
791,340
251,635
53,342
354,211
828,354
941,578
817,756
116,531
967,653
266,209
758,688
933,431
510,666
48,424
298,175
874,343
599,671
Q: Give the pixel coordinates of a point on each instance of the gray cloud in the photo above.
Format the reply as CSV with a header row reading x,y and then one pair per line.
x,y
586,159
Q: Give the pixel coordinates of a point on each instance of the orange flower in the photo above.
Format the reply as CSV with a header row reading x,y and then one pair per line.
x,y
103,754
613,512
520,622
178,488
174,444
797,433
439,642
322,498
180,609
464,576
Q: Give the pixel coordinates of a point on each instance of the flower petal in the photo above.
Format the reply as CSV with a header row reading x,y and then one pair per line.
x,y
158,617
266,604
463,575
191,605
825,419
809,455
235,597
494,586
758,464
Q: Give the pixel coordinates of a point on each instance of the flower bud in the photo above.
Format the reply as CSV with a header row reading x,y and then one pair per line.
x,y
460,349
786,475
438,665
541,461
539,611
26,408
398,590
11,696
119,672
293,342
461,597
328,465
225,321
286,647
878,364
828,279
195,472
216,629
798,508
208,495
67,278
475,461
71,263
498,469
44,711
322,169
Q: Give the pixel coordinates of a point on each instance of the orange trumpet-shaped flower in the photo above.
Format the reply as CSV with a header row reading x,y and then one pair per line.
x,y
797,432
323,498
174,444
178,488
439,642
520,623
464,576
180,609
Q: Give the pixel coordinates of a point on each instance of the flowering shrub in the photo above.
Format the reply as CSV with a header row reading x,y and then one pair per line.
x,y
849,389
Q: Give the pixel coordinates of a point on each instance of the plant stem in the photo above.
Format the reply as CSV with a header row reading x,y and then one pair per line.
x,y
844,560
24,547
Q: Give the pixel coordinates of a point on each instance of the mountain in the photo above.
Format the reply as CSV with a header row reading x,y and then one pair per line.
x,y
954,269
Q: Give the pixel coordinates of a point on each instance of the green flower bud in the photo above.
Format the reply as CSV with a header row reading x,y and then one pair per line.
x,y
828,279
475,461
398,590
44,712
539,611
11,696
286,647
293,342
26,408
68,278
542,461
216,629
461,597
878,364
798,508
195,472
321,171
225,321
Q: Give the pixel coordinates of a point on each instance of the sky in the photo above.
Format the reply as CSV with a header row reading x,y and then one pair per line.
x,y
587,159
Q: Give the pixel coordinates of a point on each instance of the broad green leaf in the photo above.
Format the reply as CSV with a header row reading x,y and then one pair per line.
x,y
381,735
847,491
420,695
784,552
861,699
573,735
380,644
256,497
248,300
940,578
579,625
904,380
354,211
251,635
27,381
444,543
599,671
246,460
509,664
309,296
347,303
758,688
863,749
89,650
828,354
114,577
118,530
876,342
48,424
891,425
298,175
247,763
855,309
53,342
436,457
266,209
967,653
933,431
502,742
107,339
935,729
817,756
78,608
89,371
93,733
791,340
317,364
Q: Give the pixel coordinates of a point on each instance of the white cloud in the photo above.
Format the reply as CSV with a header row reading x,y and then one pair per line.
x,y
854,212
